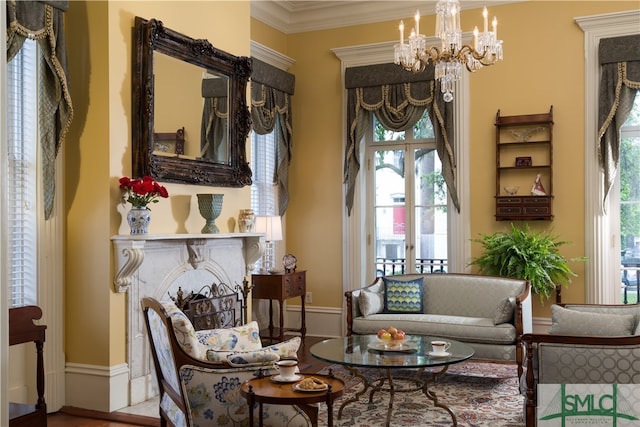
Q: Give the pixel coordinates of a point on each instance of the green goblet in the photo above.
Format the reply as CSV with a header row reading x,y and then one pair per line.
x,y
210,206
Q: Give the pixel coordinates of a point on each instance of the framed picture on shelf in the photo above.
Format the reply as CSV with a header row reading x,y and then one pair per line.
x,y
523,162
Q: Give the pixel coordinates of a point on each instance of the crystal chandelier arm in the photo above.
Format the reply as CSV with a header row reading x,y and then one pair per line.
x,y
450,56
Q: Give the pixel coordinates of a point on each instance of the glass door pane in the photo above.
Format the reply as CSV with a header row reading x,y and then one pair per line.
x,y
389,212
430,204
630,205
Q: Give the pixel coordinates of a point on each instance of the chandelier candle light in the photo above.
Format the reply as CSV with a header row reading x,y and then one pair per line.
x,y
449,58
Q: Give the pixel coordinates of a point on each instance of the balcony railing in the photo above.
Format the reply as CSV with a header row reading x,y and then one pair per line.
x,y
393,266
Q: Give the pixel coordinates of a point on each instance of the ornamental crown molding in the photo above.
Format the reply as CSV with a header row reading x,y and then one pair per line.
x,y
291,16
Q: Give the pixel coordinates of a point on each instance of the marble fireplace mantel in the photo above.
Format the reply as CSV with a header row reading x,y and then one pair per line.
x,y
156,266
130,250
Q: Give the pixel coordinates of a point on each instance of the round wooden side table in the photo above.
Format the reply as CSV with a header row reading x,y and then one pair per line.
x,y
266,390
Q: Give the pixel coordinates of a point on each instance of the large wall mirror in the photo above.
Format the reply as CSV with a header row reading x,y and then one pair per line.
x,y
187,87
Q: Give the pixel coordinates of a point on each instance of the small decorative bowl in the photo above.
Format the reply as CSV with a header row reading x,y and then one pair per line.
x,y
511,190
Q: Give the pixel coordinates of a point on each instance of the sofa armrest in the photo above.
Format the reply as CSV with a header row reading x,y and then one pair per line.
x,y
352,307
523,322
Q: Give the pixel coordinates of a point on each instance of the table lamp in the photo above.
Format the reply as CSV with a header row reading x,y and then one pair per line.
x,y
271,226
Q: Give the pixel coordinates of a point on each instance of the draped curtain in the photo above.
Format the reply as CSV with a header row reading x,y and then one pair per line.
x,y
398,98
271,91
619,81
214,132
43,21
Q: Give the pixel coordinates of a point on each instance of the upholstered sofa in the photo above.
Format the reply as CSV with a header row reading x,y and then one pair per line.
x,y
488,313
200,372
587,344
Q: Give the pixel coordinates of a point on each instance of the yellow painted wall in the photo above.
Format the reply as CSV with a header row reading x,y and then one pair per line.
x,y
98,153
98,150
543,66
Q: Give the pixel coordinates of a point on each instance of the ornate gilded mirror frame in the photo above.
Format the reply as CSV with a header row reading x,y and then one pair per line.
x,y
151,37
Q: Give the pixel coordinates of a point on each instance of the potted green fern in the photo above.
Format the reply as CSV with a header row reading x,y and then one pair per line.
x,y
528,255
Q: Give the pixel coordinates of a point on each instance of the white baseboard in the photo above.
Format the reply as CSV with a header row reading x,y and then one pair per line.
x,y
320,321
99,388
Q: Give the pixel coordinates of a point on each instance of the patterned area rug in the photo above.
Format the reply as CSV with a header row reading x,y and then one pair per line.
x,y
480,394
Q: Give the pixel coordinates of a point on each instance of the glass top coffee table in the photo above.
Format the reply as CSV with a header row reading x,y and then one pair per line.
x,y
359,352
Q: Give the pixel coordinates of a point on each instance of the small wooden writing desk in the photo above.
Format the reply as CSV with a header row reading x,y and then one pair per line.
x,y
280,287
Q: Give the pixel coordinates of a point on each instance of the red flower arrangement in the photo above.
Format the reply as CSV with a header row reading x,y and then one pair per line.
x,y
142,191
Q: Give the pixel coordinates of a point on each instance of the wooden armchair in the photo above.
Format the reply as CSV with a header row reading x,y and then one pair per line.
x,y
23,330
588,344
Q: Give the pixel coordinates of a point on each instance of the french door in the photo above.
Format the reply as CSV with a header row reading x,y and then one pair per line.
x,y
408,216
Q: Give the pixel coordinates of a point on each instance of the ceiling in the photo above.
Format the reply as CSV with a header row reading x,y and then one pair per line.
x,y
296,16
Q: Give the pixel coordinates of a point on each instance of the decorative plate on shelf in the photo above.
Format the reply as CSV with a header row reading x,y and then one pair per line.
x,y
289,262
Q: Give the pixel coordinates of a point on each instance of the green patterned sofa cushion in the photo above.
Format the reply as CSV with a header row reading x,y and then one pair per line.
x,y
403,296
582,323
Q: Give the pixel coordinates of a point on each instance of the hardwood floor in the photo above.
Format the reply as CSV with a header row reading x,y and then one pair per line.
x,y
76,417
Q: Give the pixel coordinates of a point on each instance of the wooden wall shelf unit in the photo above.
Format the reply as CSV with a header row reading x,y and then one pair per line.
x,y
524,150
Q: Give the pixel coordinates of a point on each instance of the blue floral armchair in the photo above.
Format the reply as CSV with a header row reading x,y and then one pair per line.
x,y
200,373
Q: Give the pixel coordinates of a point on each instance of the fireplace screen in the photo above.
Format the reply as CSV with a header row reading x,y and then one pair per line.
x,y
213,307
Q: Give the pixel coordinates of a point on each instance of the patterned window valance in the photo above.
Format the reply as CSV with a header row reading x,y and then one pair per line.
x,y
271,92
619,81
398,98
43,21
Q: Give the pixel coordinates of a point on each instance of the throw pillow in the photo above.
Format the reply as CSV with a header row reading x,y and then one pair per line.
x,y
239,338
267,355
183,329
504,311
571,322
371,303
403,296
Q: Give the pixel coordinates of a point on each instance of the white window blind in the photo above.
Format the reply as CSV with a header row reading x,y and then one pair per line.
x,y
22,116
263,159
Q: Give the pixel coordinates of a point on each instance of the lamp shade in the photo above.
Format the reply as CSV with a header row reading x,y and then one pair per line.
x,y
271,226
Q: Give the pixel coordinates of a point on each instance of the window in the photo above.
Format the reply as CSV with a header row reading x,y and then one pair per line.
x,y
263,192
409,197
628,188
22,180
602,278
357,243
263,159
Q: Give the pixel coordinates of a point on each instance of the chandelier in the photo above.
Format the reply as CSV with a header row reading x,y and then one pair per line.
x,y
449,58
